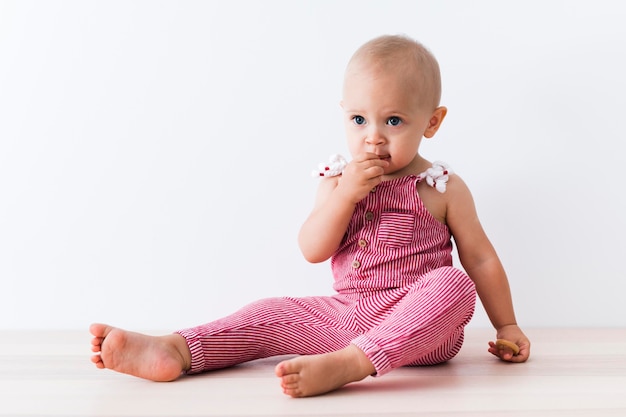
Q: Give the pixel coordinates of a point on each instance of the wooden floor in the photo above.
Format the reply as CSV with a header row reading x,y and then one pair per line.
x,y
572,372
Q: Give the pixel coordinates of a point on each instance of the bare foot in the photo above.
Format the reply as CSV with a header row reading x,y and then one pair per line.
x,y
158,358
306,376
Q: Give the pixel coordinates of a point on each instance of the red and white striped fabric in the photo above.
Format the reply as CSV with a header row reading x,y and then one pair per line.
x,y
398,297
392,240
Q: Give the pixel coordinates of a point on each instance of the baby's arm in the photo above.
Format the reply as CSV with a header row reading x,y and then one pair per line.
x,y
482,264
323,230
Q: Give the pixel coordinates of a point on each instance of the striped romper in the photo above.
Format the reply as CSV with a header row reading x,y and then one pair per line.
x,y
398,298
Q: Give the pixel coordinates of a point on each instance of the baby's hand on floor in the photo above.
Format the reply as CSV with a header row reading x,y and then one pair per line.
x,y
513,334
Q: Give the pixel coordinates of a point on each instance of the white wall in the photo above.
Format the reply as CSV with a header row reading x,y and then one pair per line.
x,y
155,156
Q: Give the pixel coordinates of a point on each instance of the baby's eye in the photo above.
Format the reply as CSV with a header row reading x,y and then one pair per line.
x,y
394,121
358,120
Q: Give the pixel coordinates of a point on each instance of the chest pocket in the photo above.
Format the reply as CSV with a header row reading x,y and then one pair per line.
x,y
396,228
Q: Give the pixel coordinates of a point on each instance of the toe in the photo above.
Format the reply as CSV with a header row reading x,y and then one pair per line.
x,y
100,330
290,378
97,360
289,387
294,393
284,368
96,347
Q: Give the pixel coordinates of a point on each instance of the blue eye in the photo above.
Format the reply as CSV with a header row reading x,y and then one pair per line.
x,y
394,121
358,120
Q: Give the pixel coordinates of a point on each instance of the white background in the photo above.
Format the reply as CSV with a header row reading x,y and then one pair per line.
x,y
155,156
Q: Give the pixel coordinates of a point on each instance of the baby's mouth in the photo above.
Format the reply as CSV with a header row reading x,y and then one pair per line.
x,y
384,157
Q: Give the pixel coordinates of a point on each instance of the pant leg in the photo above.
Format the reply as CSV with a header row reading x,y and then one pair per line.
x,y
271,327
426,324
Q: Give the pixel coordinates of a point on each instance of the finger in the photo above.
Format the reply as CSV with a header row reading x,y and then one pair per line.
x,y
374,172
505,354
515,359
369,157
501,351
371,163
362,157
524,354
370,168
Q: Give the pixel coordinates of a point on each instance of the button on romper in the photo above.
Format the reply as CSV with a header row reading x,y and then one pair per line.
x,y
398,298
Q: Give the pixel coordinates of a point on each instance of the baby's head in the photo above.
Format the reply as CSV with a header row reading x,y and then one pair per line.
x,y
406,59
390,101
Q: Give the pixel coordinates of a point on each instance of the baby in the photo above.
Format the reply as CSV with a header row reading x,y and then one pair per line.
x,y
386,225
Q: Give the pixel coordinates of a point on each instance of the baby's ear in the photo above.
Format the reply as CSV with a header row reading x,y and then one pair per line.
x,y
435,121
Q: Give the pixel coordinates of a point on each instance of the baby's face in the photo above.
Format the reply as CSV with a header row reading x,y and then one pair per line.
x,y
383,115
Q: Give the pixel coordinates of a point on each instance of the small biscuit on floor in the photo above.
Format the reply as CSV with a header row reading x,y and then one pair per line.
x,y
505,344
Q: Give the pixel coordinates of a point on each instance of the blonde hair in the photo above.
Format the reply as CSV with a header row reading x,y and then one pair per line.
x,y
407,56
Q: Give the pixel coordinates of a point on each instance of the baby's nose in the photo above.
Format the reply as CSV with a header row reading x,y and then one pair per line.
x,y
374,137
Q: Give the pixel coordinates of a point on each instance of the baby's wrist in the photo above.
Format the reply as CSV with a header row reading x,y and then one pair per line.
x,y
506,326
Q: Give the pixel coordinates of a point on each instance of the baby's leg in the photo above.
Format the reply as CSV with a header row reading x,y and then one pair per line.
x,y
305,376
161,358
271,327
425,326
